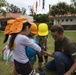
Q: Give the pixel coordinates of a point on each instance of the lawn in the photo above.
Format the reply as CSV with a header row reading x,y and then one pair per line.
x,y
6,69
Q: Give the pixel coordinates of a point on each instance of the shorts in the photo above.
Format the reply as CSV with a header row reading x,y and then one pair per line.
x,y
23,69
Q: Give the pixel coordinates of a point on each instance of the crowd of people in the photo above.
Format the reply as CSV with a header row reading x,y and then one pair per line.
x,y
25,46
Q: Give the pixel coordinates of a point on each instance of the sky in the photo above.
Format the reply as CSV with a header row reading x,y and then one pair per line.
x,y
27,3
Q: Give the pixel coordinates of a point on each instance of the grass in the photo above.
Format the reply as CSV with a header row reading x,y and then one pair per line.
x,y
8,70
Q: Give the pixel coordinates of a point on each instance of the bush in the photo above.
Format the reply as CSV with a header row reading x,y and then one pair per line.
x,y
69,27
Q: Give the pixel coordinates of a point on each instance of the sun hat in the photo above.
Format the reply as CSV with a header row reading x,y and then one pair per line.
x,y
18,24
33,28
7,28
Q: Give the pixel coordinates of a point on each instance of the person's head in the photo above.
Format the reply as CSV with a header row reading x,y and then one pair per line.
x,y
57,32
42,29
33,30
26,28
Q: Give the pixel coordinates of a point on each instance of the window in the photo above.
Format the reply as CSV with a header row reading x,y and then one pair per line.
x,y
66,19
71,19
62,20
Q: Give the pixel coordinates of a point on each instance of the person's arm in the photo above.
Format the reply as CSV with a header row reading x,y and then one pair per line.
x,y
72,69
27,42
48,54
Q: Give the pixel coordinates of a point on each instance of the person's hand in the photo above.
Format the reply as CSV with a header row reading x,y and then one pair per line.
x,y
45,53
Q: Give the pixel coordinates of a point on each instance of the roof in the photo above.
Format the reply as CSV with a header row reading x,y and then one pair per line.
x,y
65,15
16,15
11,15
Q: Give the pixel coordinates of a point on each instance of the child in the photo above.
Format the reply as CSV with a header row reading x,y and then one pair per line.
x,y
31,53
42,40
33,31
18,41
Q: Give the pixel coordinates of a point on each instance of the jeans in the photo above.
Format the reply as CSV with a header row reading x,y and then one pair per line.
x,y
61,63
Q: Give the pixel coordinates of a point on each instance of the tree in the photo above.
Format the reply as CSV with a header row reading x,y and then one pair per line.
x,y
72,9
23,10
73,2
62,8
3,7
41,17
14,9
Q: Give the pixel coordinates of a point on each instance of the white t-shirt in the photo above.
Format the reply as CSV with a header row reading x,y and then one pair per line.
x,y
19,53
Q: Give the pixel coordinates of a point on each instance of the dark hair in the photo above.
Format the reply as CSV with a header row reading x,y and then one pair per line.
x,y
57,28
13,36
26,24
30,35
6,38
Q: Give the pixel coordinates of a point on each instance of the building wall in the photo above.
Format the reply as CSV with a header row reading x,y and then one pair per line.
x,y
65,21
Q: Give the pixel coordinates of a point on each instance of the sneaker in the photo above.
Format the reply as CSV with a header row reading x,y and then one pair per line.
x,y
41,71
35,73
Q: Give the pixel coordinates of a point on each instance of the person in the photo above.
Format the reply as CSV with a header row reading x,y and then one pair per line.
x,y
18,41
31,53
64,55
42,40
7,37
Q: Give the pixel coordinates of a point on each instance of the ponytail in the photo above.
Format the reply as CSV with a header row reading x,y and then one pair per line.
x,y
11,42
6,38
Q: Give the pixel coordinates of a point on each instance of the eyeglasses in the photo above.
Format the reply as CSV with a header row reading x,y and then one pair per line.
x,y
55,34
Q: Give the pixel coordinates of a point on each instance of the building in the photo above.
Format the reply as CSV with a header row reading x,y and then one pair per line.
x,y
68,20
3,19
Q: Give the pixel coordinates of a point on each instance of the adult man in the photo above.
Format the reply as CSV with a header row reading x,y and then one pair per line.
x,y
64,53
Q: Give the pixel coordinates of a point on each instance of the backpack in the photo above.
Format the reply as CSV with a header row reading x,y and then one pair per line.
x,y
31,53
7,54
